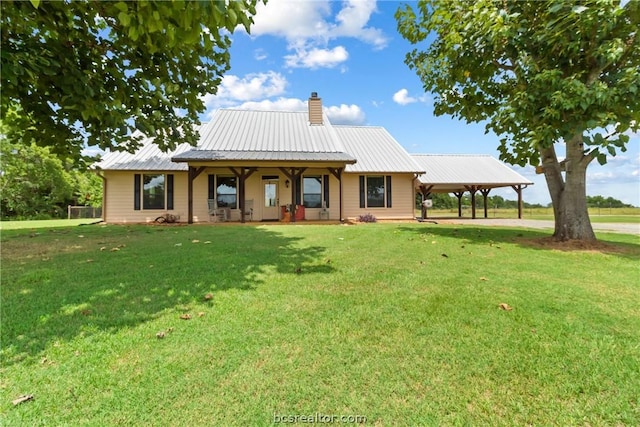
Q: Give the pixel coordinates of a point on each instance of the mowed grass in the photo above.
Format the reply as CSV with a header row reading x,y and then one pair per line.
x,y
398,323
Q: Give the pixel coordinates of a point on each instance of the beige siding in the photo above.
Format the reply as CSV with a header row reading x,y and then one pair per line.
x,y
402,192
119,196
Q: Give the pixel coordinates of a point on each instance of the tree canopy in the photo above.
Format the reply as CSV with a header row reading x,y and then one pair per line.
x,y
34,183
91,72
538,74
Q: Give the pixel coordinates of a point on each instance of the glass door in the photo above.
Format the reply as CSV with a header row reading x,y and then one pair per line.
x,y
271,200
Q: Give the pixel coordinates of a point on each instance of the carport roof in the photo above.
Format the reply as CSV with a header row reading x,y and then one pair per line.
x,y
455,172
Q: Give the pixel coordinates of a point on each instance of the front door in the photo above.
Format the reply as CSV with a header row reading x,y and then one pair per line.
x,y
270,206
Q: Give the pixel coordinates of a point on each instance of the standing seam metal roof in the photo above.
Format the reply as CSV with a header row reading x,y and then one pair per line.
x,y
376,150
466,169
246,130
275,136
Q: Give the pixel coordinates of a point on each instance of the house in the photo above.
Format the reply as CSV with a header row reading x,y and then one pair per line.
x,y
264,166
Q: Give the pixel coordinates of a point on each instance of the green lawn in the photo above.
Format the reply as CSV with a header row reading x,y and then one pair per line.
x,y
398,323
46,223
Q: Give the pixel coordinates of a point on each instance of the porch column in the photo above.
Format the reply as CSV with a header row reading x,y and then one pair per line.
x,y
337,172
425,191
242,174
518,189
459,195
192,174
293,174
485,193
472,189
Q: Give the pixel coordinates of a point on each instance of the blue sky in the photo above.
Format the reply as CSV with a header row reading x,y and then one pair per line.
x,y
352,55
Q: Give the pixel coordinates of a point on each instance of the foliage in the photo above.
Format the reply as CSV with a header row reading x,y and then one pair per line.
x,y
537,73
608,202
368,217
94,72
418,335
34,183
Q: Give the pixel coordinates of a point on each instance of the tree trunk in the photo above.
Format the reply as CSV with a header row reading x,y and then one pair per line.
x,y
569,194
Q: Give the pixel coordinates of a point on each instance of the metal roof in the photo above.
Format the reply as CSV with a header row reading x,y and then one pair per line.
x,y
147,157
248,130
448,171
246,135
375,149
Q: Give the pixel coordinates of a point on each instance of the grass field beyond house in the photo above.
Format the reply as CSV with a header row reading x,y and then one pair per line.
x,y
392,324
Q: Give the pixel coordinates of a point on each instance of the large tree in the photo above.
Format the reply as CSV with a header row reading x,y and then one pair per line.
x,y
541,74
91,72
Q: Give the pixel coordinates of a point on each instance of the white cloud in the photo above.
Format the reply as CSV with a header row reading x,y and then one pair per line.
x,y
317,58
252,92
308,29
345,114
252,86
402,97
293,20
280,104
338,115
260,54
352,21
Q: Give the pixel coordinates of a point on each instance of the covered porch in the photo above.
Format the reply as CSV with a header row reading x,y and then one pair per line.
x,y
220,189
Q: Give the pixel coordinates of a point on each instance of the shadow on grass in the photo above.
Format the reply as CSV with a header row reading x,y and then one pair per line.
x,y
60,284
536,239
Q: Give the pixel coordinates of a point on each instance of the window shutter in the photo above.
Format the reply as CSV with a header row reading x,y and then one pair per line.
x,y
298,190
362,192
388,188
325,189
212,187
136,191
170,192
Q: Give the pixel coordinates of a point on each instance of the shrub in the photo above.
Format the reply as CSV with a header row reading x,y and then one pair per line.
x,y
367,218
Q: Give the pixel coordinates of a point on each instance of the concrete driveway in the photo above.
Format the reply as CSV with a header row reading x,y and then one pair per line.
x,y
534,223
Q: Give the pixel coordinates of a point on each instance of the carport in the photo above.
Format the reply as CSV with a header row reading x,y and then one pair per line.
x,y
459,173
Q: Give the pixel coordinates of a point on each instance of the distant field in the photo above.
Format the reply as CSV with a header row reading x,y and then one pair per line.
x,y
624,215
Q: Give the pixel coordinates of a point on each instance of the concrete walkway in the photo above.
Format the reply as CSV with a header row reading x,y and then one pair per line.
x,y
534,223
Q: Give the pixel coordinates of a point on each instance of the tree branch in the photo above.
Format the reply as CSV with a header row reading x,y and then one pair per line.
x,y
507,67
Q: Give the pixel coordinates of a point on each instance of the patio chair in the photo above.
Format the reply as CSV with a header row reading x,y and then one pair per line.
x,y
248,209
216,214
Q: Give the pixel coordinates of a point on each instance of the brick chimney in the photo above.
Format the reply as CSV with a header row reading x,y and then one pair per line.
x,y
315,109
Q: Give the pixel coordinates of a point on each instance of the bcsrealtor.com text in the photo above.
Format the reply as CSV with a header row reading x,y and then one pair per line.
x,y
318,418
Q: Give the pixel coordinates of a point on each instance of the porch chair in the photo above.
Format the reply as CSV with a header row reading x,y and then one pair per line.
x,y
248,209
216,213
324,212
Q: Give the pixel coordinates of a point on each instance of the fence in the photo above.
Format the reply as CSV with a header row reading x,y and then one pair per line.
x,y
78,212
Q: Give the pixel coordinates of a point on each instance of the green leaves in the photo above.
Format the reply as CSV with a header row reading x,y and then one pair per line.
x,y
537,72
96,66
